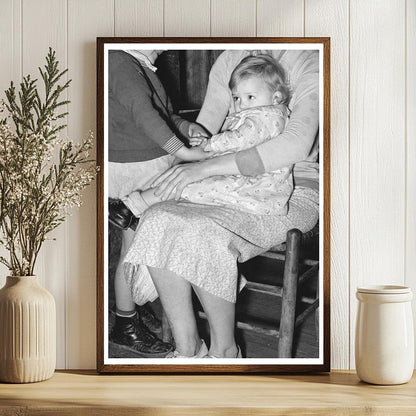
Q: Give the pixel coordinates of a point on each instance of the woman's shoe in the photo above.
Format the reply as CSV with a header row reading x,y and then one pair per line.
x,y
239,354
202,353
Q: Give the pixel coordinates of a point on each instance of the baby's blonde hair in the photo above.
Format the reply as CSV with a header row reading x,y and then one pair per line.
x,y
264,67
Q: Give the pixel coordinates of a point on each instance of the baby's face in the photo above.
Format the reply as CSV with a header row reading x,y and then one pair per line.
x,y
252,92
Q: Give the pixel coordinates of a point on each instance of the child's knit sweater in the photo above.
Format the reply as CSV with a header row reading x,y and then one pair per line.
x,y
140,123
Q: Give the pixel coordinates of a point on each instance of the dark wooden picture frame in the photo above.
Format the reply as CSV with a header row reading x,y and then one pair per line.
x,y
301,267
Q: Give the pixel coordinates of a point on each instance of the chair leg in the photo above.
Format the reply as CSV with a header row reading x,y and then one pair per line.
x,y
290,283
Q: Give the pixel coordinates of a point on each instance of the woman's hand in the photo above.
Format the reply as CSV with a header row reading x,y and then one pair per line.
x,y
171,183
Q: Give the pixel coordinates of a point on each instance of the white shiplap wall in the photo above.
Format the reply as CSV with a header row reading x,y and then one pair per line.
x,y
373,132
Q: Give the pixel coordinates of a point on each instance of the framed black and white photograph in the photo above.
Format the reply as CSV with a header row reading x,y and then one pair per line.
x,y
213,205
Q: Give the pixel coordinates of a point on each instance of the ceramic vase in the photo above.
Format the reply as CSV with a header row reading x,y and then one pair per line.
x,y
27,331
384,344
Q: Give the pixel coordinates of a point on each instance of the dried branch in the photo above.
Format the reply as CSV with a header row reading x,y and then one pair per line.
x,y
36,194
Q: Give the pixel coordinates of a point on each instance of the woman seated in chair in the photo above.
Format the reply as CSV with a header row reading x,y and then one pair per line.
x,y
188,246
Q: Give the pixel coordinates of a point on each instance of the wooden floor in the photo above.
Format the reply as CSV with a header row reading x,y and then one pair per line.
x,y
249,306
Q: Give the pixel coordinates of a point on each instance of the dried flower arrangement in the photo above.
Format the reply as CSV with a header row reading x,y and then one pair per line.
x,y
41,174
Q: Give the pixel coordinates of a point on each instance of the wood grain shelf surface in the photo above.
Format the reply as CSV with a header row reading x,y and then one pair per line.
x,y
86,393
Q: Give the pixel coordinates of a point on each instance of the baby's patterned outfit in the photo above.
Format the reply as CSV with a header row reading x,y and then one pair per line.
x,y
264,194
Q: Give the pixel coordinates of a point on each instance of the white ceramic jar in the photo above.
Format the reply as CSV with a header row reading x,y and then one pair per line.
x,y
384,343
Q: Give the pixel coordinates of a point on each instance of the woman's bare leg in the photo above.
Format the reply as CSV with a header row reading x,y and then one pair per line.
x,y
176,296
221,318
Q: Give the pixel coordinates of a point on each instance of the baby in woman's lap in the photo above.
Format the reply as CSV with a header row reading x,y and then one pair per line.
x,y
260,95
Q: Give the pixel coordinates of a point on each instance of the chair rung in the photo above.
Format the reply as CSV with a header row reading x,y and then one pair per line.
x,y
302,317
282,257
250,327
308,274
272,291
264,288
272,255
258,329
307,299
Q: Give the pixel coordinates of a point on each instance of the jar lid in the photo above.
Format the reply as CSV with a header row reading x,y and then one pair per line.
x,y
384,289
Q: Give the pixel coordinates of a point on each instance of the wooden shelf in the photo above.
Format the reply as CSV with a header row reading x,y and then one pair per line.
x,y
86,393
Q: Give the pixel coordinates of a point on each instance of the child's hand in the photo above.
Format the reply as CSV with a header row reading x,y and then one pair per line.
x,y
192,154
199,153
195,130
198,141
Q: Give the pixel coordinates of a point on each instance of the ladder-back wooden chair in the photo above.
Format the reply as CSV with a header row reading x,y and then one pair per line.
x,y
295,288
